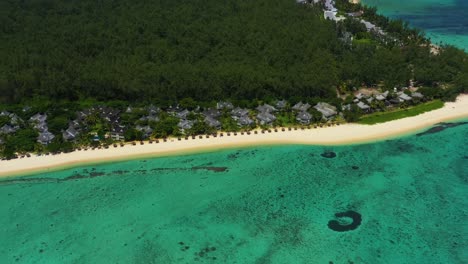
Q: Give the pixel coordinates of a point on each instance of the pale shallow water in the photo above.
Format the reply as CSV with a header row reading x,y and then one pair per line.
x,y
443,21
254,205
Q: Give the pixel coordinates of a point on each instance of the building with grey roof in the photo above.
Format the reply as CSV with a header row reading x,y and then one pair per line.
x,y
327,110
185,124
281,104
404,97
382,96
182,114
210,121
153,110
304,117
45,137
238,112
15,119
301,107
4,113
146,130
70,134
8,129
38,118
213,113
42,126
245,121
265,118
117,132
266,108
363,106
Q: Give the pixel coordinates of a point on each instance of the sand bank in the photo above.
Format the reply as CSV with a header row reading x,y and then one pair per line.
x,y
343,134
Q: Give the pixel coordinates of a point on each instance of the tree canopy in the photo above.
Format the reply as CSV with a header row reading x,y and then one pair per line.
x,y
204,50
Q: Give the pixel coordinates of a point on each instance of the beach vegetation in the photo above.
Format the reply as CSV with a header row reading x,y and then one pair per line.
x,y
228,124
405,111
201,128
4,120
353,114
167,126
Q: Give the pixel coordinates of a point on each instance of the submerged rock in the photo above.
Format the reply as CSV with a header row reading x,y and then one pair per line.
x,y
328,154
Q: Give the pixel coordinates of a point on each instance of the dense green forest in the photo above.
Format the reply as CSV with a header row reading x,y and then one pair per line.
x,y
167,50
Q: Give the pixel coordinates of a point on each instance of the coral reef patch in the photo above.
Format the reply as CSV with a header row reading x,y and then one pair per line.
x,y
440,127
328,154
335,225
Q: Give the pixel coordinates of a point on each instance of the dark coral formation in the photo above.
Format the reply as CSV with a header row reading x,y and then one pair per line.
x,y
205,253
440,127
93,174
338,227
215,169
328,154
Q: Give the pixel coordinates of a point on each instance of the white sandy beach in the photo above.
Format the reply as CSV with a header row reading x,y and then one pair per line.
x,y
343,134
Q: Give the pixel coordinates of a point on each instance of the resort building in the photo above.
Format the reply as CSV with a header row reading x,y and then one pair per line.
x,y
266,108
210,121
364,107
4,113
300,107
153,110
182,114
185,125
371,27
241,115
45,137
117,133
417,95
145,130
328,111
281,104
382,96
7,129
38,118
404,97
244,121
304,117
213,113
265,118
70,134
239,112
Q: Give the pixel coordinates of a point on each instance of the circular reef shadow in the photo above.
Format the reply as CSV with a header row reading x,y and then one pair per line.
x,y
338,227
328,154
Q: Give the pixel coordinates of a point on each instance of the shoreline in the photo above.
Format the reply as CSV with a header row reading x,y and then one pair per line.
x,y
346,134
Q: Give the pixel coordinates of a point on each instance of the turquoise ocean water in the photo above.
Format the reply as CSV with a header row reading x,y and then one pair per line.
x,y
254,205
443,21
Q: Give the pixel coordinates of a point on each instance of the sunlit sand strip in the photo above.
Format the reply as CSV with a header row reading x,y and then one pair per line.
x,y
335,135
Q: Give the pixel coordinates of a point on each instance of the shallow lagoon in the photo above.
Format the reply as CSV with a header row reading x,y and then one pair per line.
x,y
255,205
